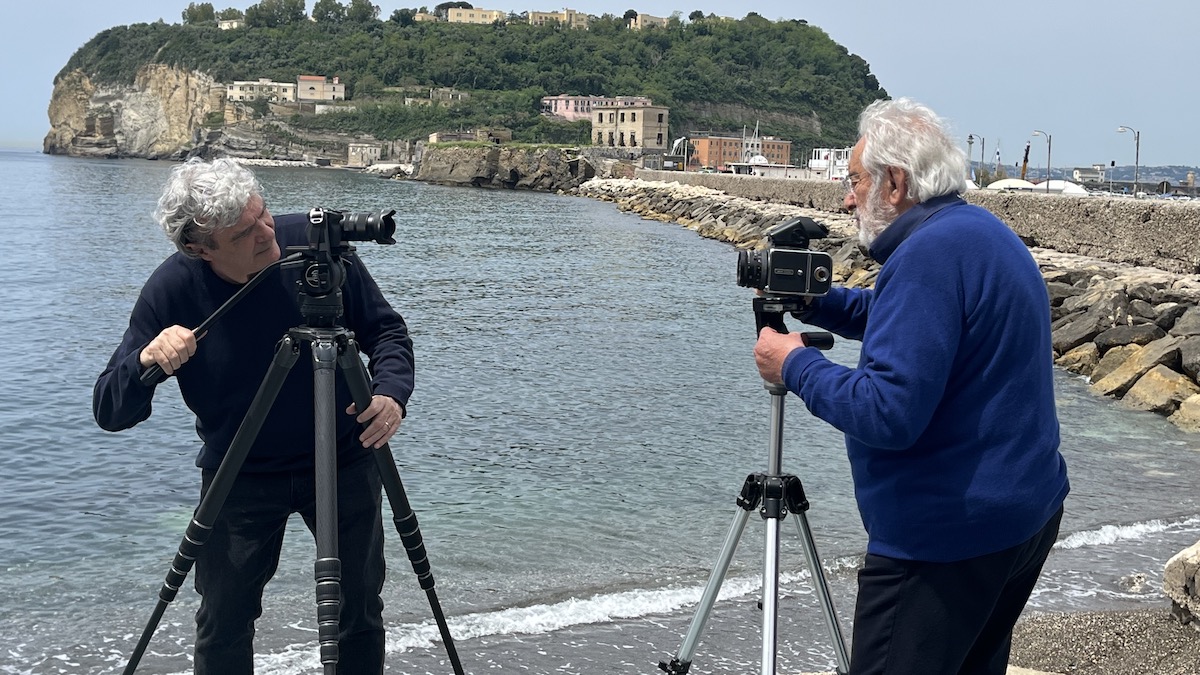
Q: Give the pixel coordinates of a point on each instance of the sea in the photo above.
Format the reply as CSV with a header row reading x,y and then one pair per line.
x,y
586,414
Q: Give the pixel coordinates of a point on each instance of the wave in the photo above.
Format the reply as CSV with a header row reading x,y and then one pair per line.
x,y
540,619
1111,534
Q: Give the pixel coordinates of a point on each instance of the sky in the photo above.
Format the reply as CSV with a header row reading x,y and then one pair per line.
x,y
1073,69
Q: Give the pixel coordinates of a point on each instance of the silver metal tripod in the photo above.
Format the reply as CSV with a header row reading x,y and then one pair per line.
x,y
775,495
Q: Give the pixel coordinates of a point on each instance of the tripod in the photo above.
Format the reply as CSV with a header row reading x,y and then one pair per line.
x,y
332,347
775,495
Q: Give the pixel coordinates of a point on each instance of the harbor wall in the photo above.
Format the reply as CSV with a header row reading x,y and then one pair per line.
x,y
1163,234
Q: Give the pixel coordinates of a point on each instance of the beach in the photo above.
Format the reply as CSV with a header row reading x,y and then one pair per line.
x,y
1137,642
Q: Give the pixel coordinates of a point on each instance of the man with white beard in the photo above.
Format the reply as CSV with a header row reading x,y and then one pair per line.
x,y
949,417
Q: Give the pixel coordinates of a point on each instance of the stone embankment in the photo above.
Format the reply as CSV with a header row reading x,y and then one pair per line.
x,y
1133,331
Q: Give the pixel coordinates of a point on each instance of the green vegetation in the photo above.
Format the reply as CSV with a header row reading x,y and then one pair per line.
x,y
715,75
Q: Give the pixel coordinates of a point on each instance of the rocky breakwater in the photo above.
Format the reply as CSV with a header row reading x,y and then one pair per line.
x,y
157,116
1133,331
546,169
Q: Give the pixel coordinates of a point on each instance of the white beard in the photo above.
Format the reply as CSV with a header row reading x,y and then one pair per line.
x,y
873,218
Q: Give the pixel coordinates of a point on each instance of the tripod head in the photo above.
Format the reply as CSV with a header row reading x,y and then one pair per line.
x,y
324,271
769,311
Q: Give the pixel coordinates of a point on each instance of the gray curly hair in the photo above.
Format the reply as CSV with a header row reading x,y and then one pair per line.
x,y
202,197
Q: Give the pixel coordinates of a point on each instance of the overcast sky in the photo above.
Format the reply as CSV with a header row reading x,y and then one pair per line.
x,y
1074,69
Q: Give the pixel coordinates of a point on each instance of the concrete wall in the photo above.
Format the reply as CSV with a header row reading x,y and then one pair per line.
x,y
1149,232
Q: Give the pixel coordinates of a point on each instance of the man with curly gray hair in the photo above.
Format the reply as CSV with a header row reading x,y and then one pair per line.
x,y
215,214
949,417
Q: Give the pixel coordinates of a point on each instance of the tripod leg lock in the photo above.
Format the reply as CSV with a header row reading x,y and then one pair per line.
x,y
781,495
752,491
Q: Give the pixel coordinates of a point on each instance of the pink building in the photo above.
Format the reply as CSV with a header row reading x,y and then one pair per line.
x,y
574,108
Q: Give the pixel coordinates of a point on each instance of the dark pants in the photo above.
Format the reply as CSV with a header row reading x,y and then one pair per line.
x,y
242,553
922,618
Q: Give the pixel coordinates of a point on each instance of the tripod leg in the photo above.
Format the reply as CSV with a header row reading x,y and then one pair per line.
x,y
822,588
200,527
402,514
748,501
328,568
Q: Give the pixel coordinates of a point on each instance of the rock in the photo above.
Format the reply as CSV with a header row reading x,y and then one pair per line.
x,y
1081,360
1187,417
1188,324
1181,583
1164,352
1160,390
1111,360
1125,335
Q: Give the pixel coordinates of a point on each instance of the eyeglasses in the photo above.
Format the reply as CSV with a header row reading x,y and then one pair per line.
x,y
851,181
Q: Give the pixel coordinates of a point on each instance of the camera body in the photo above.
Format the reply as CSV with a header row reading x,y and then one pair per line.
x,y
785,266
335,227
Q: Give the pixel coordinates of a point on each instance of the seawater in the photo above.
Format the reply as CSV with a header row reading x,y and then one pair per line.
x,y
586,412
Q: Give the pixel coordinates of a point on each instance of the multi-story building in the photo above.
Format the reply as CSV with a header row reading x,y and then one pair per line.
x,y
720,151
481,16
568,18
319,88
630,127
645,21
263,89
425,16
573,108
231,24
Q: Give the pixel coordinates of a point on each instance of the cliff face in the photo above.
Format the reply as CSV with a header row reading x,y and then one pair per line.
x,y
158,116
503,167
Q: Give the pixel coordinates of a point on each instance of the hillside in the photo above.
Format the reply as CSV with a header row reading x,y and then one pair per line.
x,y
714,74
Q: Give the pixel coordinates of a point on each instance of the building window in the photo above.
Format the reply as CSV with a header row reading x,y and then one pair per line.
x,y
622,117
599,118
660,118
658,141
622,141
611,139
633,139
599,138
632,117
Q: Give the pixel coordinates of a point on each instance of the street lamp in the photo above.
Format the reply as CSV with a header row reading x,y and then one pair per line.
x,y
982,146
1137,151
1042,133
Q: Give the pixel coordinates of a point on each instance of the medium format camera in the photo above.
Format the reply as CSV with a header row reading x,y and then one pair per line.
x,y
785,267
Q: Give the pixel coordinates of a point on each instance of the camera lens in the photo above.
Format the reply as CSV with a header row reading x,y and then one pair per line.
x,y
369,227
750,269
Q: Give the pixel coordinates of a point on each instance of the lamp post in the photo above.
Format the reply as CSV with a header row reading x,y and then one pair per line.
x,y
982,145
1137,151
1042,133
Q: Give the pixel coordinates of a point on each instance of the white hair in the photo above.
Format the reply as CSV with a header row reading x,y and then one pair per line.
x,y
907,135
202,197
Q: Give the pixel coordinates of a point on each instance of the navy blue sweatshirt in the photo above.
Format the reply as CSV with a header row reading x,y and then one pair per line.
x,y
219,382
949,417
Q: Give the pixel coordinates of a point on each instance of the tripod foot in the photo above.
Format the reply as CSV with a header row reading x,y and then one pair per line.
x,y
675,667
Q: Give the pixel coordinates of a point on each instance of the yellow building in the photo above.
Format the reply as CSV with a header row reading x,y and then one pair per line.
x,y
568,17
622,127
481,16
645,21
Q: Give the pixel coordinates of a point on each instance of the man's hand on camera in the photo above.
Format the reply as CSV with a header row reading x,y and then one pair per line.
x,y
170,349
381,419
771,350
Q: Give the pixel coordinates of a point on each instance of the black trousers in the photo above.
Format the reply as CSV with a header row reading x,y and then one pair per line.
x,y
923,618
242,554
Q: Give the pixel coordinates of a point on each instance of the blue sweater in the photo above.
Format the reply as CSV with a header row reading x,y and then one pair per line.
x,y
949,417
220,380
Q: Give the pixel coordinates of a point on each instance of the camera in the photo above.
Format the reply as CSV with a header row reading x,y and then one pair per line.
x,y
336,227
784,266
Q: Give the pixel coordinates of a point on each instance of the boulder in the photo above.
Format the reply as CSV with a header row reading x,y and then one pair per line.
x,y
1160,352
1181,583
1160,390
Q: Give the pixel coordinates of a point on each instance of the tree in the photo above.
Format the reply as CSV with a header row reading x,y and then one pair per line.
x,y
230,14
403,16
273,13
696,16
199,13
328,11
630,14
362,11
